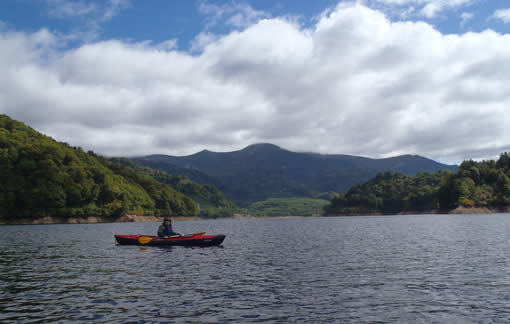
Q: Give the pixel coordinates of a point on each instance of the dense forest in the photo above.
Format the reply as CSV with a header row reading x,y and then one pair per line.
x,y
211,200
295,206
41,177
476,184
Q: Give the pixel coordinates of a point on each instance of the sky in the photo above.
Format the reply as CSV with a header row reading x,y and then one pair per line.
x,y
375,78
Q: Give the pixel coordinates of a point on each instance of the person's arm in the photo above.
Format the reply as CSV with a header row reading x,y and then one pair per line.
x,y
174,233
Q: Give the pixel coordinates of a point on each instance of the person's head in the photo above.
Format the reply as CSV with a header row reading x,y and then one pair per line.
x,y
167,221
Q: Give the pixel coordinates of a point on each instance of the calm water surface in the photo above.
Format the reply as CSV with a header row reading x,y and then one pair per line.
x,y
442,268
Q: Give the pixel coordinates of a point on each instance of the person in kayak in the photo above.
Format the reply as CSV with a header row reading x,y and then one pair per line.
x,y
165,229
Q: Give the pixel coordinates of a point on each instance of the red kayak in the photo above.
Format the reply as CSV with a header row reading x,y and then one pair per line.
x,y
197,239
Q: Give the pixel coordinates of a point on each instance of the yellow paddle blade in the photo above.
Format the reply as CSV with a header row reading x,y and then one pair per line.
x,y
144,239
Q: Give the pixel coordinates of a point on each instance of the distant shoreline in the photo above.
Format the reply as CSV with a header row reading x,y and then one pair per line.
x,y
456,211
92,220
136,218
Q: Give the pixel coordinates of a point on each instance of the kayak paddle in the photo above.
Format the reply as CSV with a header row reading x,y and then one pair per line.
x,y
144,239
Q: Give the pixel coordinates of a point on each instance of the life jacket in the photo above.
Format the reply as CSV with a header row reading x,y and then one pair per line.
x,y
168,230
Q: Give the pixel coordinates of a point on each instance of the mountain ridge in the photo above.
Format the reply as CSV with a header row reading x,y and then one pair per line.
x,y
265,170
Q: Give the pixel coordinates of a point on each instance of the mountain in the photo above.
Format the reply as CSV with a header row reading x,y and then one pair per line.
x,y
262,171
41,177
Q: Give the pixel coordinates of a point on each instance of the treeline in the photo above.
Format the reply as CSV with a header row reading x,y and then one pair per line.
x,y
476,184
41,177
295,206
212,202
390,193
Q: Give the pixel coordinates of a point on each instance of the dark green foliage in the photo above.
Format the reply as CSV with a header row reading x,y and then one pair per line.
x,y
297,206
390,193
264,171
214,212
476,184
192,174
208,196
41,177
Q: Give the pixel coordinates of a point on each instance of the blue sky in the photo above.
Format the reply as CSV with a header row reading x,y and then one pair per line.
x,y
155,20
375,78
182,21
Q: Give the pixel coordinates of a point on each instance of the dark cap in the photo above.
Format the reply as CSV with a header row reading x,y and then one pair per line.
x,y
167,219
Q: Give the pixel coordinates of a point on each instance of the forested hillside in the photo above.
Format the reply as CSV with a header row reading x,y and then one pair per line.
x,y
476,184
208,196
41,177
263,171
389,193
287,207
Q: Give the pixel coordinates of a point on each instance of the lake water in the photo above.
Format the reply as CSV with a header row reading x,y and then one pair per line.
x,y
409,269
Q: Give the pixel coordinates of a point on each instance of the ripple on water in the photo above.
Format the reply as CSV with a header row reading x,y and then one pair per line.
x,y
315,270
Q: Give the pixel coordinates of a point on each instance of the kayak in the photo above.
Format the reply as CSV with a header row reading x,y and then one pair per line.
x,y
198,239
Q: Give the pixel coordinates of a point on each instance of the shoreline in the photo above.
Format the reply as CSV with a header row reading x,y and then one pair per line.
x,y
456,211
137,218
48,220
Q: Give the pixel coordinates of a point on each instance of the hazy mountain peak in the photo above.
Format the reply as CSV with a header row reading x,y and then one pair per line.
x,y
262,147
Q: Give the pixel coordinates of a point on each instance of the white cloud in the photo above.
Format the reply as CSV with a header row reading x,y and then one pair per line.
x,y
90,15
68,8
168,45
114,7
465,17
202,40
234,14
503,15
73,8
427,8
354,83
